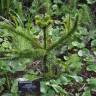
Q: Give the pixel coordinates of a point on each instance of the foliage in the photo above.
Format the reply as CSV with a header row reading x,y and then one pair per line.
x,y
50,39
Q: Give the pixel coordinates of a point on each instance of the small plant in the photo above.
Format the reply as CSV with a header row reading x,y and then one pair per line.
x,y
45,40
43,25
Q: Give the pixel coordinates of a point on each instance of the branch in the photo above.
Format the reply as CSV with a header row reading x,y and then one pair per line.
x,y
12,29
33,53
64,38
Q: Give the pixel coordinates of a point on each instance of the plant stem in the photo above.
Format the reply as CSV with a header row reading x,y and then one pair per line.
x,y
45,38
7,81
45,47
44,63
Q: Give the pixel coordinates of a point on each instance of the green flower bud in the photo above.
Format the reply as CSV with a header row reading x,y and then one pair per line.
x,y
37,17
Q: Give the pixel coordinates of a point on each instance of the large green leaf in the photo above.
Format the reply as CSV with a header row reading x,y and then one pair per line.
x,y
91,67
87,93
93,43
92,82
74,63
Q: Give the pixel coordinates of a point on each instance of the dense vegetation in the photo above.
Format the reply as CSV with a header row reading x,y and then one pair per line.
x,y
53,41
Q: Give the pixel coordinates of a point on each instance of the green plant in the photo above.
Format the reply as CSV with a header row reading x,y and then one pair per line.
x,y
46,40
43,25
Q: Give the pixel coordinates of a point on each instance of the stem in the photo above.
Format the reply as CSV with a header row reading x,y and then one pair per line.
x,y
45,38
69,7
7,81
44,63
45,47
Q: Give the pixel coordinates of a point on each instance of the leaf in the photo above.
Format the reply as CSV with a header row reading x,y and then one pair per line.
x,y
14,87
93,43
91,67
31,76
44,88
76,78
74,63
92,82
5,67
87,93
64,80
91,1
85,52
90,59
1,40
80,53
57,88
6,44
75,43
50,92
78,45
18,67
2,81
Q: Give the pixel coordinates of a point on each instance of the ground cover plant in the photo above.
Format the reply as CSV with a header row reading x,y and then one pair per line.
x,y
53,41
